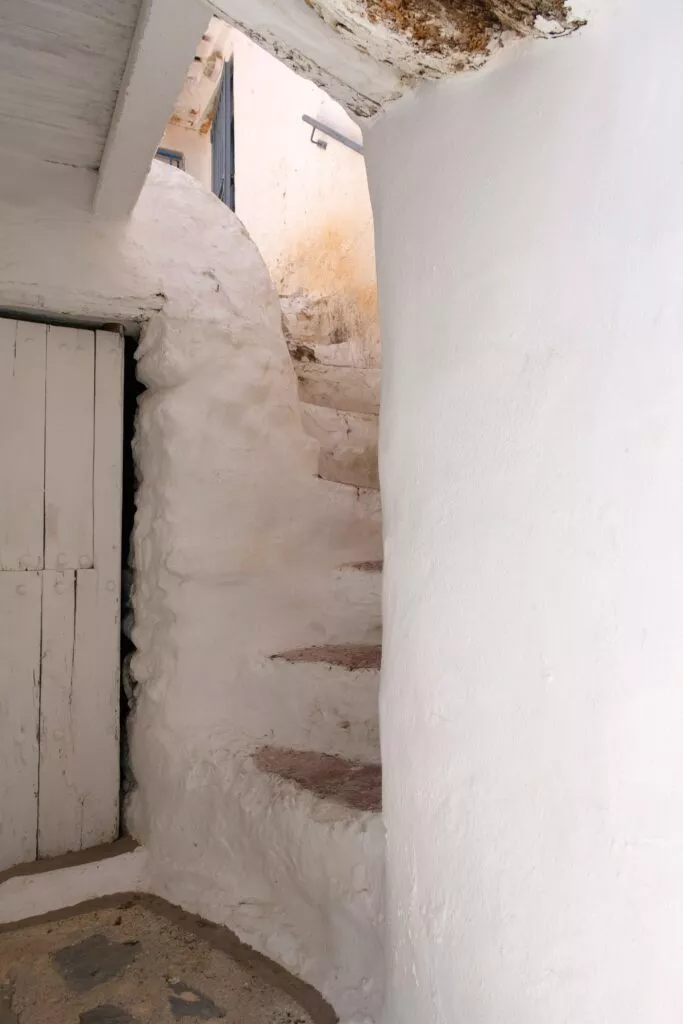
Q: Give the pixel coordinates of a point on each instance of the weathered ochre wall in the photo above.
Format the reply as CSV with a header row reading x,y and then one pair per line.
x,y
307,208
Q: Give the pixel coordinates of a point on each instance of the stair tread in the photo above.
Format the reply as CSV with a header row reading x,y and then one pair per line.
x,y
370,566
344,388
354,784
332,478
349,656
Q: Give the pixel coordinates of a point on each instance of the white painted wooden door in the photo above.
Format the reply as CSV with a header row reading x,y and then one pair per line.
x,y
61,392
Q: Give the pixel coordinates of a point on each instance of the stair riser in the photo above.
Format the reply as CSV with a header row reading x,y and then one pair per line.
x,y
339,387
298,878
354,466
332,427
320,707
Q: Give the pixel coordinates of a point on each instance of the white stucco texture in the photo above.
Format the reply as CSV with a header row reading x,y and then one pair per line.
x,y
237,552
32,894
530,242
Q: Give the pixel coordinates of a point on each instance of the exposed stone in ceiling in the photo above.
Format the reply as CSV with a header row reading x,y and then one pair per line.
x,y
433,38
368,52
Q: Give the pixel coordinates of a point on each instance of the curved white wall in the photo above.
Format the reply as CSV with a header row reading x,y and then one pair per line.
x,y
530,249
237,544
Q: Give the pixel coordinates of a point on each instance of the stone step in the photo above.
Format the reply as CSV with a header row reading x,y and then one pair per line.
x,y
344,603
353,784
350,465
353,657
347,388
349,523
316,704
348,444
367,499
304,880
346,353
377,566
332,427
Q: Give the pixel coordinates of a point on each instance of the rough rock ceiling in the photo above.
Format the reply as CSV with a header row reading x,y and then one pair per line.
x,y
437,37
405,40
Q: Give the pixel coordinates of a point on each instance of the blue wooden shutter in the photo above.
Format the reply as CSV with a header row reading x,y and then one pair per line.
x,y
222,142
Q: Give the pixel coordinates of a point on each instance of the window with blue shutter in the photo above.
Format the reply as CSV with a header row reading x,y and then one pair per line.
x,y
223,141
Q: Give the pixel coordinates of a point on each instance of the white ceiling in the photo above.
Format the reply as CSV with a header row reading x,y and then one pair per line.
x,y
61,66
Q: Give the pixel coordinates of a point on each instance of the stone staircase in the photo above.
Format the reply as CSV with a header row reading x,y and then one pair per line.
x,y
325,783
340,407
348,444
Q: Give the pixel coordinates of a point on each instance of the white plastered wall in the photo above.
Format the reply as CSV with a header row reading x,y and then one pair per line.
x,y
235,543
530,245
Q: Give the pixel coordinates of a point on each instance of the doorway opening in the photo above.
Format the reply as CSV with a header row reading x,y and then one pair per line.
x,y
132,390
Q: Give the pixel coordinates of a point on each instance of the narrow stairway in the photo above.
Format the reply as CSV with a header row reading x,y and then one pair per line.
x,y
340,406
331,773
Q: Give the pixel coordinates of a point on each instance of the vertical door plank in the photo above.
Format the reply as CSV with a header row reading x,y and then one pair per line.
x,y
80,757
70,396
20,599
59,800
99,600
95,708
22,441
96,670
108,454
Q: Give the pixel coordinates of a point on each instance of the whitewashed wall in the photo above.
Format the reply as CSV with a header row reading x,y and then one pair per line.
x,y
530,245
235,542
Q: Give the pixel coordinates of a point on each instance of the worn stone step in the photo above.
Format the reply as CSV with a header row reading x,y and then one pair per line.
x,y
340,604
348,388
367,499
349,464
353,784
348,526
376,566
353,657
321,873
333,427
345,603
347,353
324,705
348,444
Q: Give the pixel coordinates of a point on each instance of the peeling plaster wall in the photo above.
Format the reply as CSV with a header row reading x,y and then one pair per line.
x,y
530,243
366,53
235,542
293,32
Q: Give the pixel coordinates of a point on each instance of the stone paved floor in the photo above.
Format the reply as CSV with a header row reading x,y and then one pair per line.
x,y
139,961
